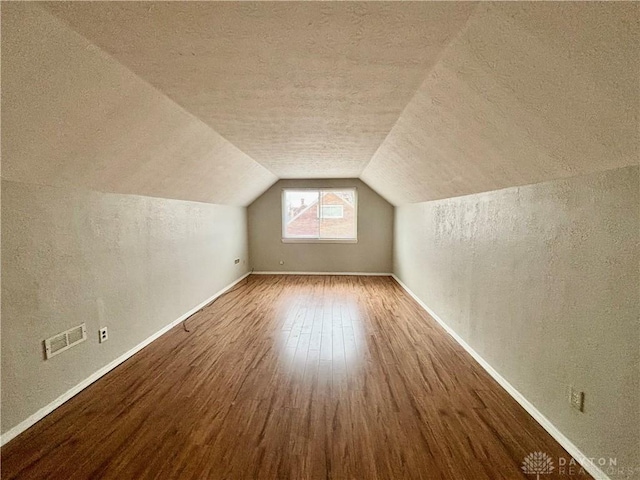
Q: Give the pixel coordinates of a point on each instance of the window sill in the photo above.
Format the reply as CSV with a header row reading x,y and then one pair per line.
x,y
319,240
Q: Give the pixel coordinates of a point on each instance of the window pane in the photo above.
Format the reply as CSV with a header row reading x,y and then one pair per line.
x,y
332,211
321,214
338,218
300,214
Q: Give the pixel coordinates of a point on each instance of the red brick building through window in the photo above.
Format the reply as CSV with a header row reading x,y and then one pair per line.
x,y
330,214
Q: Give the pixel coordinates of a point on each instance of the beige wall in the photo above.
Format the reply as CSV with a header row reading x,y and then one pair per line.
x,y
372,253
132,264
76,123
542,281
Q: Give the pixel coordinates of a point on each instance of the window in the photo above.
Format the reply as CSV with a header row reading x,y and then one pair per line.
x,y
319,215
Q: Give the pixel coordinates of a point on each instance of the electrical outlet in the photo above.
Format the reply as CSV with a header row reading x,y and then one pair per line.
x,y
236,261
576,399
104,335
281,262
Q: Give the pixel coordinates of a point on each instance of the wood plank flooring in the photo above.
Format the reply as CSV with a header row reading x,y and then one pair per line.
x,y
292,377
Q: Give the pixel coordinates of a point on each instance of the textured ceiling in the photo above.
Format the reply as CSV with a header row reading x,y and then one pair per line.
x,y
528,92
212,101
306,89
73,116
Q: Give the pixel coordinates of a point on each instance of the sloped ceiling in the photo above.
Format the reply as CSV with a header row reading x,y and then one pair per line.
x,y
306,89
422,100
73,116
528,92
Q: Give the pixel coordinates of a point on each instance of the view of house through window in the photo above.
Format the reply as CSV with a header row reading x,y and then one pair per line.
x,y
319,215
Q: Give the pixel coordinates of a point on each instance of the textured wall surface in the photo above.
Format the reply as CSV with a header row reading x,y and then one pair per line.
x,y
178,99
309,89
542,281
75,116
76,122
372,253
133,264
528,92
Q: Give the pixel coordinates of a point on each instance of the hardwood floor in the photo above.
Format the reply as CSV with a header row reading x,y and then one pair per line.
x,y
292,377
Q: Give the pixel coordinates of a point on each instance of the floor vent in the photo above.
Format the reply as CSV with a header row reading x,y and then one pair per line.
x,y
65,340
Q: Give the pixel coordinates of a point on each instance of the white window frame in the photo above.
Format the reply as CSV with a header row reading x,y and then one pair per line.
x,y
315,239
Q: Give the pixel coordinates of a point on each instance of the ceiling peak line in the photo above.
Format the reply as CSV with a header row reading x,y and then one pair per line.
x,y
520,99
102,127
101,51
306,89
428,73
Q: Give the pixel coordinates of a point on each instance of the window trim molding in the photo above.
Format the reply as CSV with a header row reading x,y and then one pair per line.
x,y
316,239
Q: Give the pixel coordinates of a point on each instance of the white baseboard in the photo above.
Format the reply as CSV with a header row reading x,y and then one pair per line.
x,y
46,410
361,274
574,451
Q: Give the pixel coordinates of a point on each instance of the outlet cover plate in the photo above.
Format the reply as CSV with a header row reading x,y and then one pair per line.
x,y
104,334
576,399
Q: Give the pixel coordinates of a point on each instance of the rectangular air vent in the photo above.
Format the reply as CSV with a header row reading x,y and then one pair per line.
x,y
65,340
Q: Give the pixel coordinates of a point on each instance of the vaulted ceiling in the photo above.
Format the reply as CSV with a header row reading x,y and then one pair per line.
x,y
306,89
422,100
525,93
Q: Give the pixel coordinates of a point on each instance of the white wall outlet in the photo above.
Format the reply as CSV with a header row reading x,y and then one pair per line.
x,y
236,261
104,335
576,399
281,262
